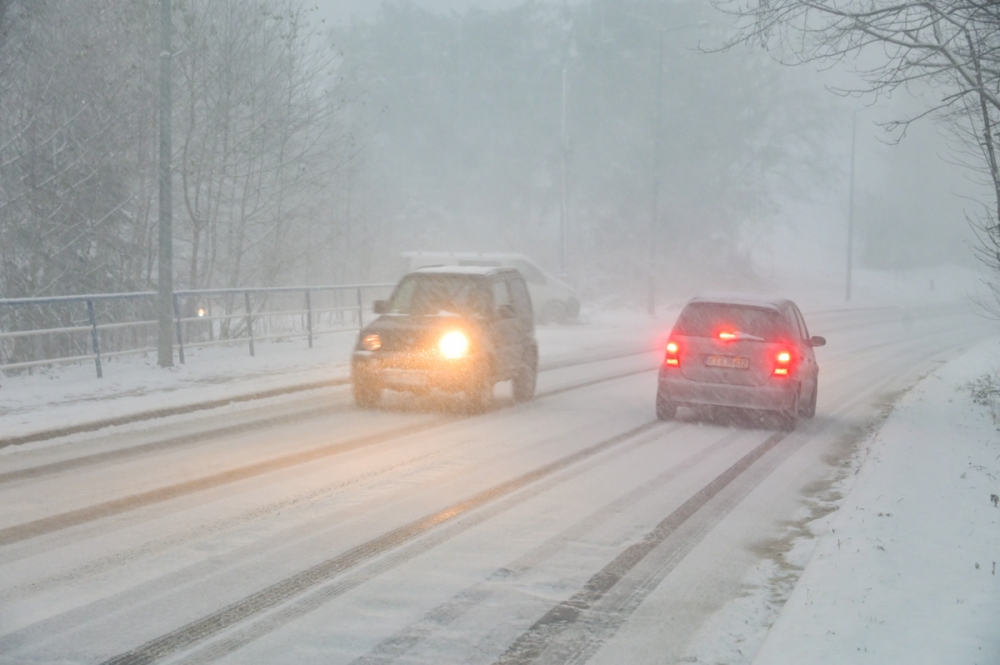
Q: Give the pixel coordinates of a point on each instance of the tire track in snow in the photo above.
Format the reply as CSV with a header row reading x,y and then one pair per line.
x,y
197,631
88,624
276,620
143,416
43,526
175,442
170,443
122,558
532,643
395,647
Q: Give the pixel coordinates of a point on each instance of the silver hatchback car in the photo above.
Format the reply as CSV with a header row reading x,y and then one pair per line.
x,y
740,351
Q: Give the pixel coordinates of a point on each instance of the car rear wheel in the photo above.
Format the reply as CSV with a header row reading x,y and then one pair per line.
x,y
572,309
788,419
665,409
554,311
366,393
809,408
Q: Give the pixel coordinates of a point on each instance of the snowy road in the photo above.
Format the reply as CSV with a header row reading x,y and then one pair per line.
x,y
574,528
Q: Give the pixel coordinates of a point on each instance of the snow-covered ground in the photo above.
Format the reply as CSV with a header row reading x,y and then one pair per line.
x,y
901,568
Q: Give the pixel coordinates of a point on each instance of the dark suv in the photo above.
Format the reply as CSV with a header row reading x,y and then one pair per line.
x,y
740,351
458,329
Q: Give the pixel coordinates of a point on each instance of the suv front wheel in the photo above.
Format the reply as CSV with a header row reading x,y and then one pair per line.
x,y
479,393
366,393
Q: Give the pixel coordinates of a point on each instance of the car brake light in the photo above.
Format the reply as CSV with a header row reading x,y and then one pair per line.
x,y
727,336
782,363
672,360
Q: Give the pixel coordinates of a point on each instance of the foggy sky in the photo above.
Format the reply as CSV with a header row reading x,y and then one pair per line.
x,y
911,186
341,10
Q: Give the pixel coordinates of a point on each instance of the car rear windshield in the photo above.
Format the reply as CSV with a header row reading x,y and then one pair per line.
x,y
711,319
429,295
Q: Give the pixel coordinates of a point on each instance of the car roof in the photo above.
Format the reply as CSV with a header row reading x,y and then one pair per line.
x,y
744,299
461,270
470,256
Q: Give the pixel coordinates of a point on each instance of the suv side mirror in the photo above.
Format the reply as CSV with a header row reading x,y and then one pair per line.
x,y
505,311
816,340
380,306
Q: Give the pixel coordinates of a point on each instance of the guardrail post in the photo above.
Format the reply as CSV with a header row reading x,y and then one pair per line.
x,y
177,324
309,318
361,311
246,301
93,337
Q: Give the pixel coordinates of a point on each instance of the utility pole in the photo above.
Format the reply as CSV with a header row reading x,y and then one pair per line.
x,y
654,212
850,206
563,208
164,309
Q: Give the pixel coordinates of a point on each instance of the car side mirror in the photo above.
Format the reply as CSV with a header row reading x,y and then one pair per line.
x,y
505,311
380,306
816,340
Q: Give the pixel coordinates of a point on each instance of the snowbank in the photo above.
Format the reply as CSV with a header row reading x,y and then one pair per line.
x,y
906,571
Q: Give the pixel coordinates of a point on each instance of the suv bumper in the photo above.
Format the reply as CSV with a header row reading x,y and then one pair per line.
x,y
415,373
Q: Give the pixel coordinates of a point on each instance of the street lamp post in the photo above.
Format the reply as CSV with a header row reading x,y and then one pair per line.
x,y
563,206
850,207
654,212
655,207
165,286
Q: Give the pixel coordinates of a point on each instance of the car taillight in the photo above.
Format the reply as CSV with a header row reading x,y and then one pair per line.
x,y
783,363
672,359
727,336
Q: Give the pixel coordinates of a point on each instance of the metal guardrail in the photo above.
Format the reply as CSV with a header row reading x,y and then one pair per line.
x,y
230,323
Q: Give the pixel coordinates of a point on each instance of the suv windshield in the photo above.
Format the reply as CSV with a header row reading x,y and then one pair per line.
x,y
429,295
710,319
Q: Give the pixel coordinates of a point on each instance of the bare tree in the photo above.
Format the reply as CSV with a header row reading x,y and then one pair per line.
x,y
259,139
952,46
73,213
67,158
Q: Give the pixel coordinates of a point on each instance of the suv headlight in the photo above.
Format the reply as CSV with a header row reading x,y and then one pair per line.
x,y
371,342
454,345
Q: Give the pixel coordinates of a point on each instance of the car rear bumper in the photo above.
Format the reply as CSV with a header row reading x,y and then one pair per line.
x,y
415,372
775,395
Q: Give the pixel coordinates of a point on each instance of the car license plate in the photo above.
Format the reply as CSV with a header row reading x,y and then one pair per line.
x,y
406,377
728,362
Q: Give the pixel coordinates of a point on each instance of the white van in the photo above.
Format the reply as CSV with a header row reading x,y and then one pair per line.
x,y
553,300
